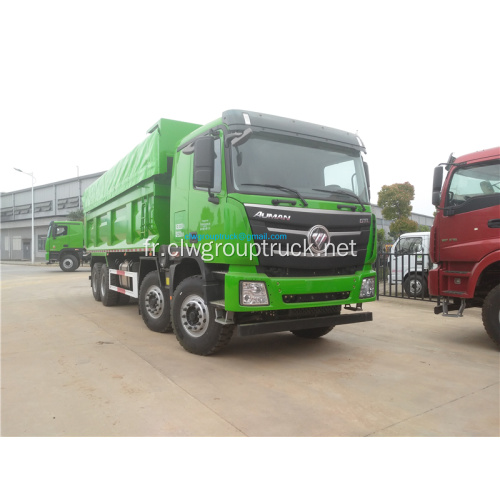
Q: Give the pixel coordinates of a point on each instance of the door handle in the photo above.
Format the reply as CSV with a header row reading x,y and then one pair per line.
x,y
494,223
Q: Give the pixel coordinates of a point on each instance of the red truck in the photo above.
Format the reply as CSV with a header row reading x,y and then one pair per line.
x,y
465,237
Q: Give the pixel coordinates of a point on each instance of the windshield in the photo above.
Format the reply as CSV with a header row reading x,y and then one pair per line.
x,y
409,245
268,161
471,182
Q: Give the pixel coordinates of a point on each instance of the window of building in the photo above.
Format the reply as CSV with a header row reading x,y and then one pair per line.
x,y
41,243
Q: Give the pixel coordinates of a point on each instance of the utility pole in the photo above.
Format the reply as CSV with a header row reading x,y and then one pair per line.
x,y
32,213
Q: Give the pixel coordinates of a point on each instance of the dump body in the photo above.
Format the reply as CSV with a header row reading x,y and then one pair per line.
x,y
465,237
65,244
251,223
129,205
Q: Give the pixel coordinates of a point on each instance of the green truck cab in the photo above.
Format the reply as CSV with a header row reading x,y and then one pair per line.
x,y
64,245
250,224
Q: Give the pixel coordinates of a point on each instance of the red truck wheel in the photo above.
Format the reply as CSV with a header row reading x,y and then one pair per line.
x,y
491,314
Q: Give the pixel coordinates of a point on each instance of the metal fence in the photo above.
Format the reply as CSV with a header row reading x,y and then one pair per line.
x,y
403,275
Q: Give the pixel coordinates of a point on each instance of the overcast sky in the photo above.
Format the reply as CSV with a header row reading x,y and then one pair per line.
x,y
83,81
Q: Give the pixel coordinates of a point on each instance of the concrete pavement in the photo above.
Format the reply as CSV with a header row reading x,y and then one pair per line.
x,y
71,367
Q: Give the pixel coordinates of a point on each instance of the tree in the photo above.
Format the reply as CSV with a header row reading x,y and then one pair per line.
x,y
76,215
395,200
382,240
402,225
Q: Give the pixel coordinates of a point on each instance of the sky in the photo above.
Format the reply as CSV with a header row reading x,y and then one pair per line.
x,y
83,81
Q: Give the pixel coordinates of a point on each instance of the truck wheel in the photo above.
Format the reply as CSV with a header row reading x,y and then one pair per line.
x,y
415,286
108,297
69,263
491,314
194,320
154,303
313,333
95,279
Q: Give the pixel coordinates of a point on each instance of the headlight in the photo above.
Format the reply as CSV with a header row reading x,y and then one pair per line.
x,y
367,288
253,293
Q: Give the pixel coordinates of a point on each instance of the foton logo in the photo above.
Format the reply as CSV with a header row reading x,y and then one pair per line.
x,y
262,215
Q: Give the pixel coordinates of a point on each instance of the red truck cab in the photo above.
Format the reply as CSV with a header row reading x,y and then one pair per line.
x,y
465,237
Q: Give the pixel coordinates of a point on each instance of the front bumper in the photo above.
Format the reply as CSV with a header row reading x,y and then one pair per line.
x,y
247,329
296,293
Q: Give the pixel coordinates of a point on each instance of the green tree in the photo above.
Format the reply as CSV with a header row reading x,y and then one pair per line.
x,y
395,200
382,240
402,225
76,215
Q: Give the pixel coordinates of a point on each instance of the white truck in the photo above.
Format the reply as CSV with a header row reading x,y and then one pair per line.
x,y
409,263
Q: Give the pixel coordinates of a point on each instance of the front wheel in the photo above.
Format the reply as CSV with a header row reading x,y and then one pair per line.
x,y
415,285
154,303
69,263
491,314
312,333
194,320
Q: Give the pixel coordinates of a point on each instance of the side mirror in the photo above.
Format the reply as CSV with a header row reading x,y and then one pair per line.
x,y
204,162
436,185
367,175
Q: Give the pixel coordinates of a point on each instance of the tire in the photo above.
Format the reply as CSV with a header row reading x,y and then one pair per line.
x,y
415,286
313,333
123,299
69,263
154,303
194,320
491,314
95,280
108,297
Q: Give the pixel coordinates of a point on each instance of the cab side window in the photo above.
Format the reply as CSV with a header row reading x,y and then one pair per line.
x,y
61,231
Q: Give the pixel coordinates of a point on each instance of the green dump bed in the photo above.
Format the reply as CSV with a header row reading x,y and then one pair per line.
x,y
130,204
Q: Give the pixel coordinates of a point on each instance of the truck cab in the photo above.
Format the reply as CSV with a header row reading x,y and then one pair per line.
x,y
465,237
64,244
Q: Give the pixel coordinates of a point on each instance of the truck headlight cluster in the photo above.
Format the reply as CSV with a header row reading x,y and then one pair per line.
x,y
253,293
367,288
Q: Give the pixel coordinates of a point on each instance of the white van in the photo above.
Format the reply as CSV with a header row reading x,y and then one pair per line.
x,y
409,263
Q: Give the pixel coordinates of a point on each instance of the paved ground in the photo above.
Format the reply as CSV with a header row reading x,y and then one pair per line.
x,y
71,367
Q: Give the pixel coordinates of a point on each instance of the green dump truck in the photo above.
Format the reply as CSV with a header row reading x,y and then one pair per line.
x,y
64,245
250,224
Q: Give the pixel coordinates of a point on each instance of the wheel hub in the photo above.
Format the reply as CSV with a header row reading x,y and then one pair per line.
x,y
154,302
194,315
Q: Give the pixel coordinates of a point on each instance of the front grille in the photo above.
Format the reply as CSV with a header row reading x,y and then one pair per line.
x,y
315,297
284,272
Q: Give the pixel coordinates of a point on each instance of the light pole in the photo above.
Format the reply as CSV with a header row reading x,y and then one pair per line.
x,y
32,214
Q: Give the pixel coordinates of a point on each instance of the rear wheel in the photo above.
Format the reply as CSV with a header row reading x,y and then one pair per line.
x,y
194,320
108,297
95,277
491,314
154,303
69,263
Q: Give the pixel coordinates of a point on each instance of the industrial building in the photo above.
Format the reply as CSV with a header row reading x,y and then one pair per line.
x,y
52,202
